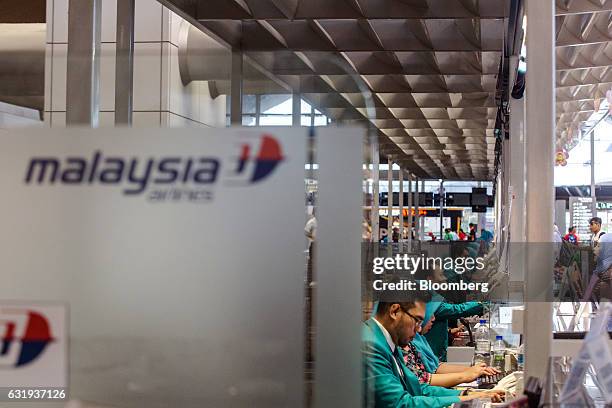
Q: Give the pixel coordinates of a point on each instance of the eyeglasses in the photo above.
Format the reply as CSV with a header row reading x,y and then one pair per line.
x,y
418,320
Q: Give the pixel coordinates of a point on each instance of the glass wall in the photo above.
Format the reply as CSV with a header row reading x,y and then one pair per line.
x,y
276,110
577,172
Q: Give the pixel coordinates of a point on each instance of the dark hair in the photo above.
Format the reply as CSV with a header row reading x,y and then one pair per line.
x,y
596,220
571,228
410,300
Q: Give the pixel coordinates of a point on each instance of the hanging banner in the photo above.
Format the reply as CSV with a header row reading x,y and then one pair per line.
x,y
177,295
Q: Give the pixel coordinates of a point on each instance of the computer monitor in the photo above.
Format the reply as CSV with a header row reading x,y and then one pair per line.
x,y
479,197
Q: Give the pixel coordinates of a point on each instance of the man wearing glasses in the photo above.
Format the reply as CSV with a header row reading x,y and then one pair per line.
x,y
387,381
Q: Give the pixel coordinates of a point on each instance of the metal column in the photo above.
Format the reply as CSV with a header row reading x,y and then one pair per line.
x,y
236,89
390,199
517,172
401,203
593,198
540,124
441,192
517,236
124,63
258,114
410,213
375,188
422,219
296,109
83,73
417,217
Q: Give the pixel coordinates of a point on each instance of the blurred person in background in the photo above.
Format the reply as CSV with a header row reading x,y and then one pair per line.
x,y
462,235
571,236
448,236
472,233
311,228
396,235
603,268
366,231
595,227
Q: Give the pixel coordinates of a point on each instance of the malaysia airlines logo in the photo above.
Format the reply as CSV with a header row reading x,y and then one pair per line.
x,y
162,179
27,334
265,161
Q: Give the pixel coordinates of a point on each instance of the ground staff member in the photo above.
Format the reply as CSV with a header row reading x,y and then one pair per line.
x,y
437,337
420,358
388,383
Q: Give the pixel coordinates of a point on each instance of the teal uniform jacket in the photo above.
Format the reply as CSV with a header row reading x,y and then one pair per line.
x,y
383,385
437,336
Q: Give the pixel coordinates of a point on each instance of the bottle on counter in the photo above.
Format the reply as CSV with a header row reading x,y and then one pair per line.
x,y
499,351
482,350
520,358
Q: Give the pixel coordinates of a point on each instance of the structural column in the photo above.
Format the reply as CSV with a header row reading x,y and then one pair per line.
x,y
296,109
390,199
517,190
401,202
422,219
593,198
417,217
236,89
441,193
375,188
124,65
540,124
410,213
83,72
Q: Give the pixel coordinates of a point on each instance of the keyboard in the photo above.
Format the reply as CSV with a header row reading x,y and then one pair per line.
x,y
489,381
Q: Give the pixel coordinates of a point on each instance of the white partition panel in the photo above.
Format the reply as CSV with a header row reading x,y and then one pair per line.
x,y
338,300
180,256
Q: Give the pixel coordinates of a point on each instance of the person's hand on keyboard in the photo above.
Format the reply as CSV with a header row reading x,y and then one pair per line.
x,y
486,370
475,371
490,370
493,395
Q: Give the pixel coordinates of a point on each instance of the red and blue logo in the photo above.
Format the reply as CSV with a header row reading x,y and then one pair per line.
x,y
264,162
24,341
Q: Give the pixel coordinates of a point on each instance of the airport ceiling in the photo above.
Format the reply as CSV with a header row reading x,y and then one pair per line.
x,y
432,67
584,61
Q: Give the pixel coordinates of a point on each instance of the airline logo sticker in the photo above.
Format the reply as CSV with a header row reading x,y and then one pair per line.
x,y
33,345
167,178
30,343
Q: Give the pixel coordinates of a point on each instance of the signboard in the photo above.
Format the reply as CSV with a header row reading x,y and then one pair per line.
x,y
580,214
177,296
603,205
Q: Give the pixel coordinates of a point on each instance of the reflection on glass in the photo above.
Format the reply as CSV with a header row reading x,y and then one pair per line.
x,y
275,120
249,104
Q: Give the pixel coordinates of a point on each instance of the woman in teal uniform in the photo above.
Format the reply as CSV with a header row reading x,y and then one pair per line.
x,y
420,358
437,337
